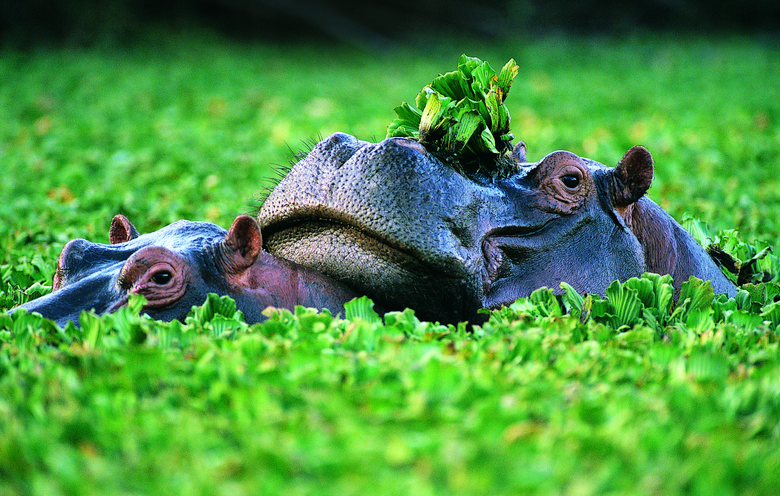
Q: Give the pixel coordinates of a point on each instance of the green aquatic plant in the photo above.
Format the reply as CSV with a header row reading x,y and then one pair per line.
x,y
461,114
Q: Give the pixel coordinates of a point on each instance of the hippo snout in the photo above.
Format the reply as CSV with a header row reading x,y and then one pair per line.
x,y
92,292
80,258
85,279
72,255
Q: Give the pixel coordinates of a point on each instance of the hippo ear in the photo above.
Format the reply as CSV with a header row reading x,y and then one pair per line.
x,y
519,152
243,244
121,230
632,177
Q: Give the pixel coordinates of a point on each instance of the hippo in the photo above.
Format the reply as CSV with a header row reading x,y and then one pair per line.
x,y
409,228
176,267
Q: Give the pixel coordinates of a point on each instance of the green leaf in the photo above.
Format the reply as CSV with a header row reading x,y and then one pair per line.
x,y
699,320
507,75
656,294
431,114
503,123
626,304
408,113
706,366
695,294
741,318
572,300
698,229
361,309
771,314
467,65
469,122
462,114
407,124
489,141
546,302
448,85
493,103
92,328
400,130
225,327
740,261
213,307
482,75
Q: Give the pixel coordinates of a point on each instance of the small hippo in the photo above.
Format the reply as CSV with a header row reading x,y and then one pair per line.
x,y
176,267
403,226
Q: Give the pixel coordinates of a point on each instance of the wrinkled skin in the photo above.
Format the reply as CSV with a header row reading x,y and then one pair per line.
x,y
176,267
394,222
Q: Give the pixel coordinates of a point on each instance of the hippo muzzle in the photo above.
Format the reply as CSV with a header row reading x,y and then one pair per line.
x,y
394,222
385,219
93,292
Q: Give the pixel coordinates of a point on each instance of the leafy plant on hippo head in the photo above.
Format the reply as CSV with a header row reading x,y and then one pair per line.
x,y
461,115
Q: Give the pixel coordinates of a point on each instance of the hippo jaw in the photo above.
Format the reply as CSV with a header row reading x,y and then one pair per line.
x,y
395,276
564,251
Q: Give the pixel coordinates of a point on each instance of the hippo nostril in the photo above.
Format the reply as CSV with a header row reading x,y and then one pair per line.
x,y
337,149
71,257
73,251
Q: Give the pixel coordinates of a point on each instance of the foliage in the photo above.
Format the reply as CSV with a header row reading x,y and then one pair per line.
x,y
743,262
620,394
532,401
462,114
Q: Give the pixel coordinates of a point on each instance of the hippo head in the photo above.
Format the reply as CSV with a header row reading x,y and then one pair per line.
x,y
394,222
175,268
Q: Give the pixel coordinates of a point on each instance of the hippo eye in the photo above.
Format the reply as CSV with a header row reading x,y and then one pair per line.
x,y
162,277
571,181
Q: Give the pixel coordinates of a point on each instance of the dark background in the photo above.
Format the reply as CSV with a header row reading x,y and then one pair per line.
x,y
34,23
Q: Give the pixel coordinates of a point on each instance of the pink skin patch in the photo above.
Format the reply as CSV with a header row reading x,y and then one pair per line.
x,y
157,273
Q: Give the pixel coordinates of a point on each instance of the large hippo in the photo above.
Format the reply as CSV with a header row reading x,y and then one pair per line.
x,y
176,267
409,229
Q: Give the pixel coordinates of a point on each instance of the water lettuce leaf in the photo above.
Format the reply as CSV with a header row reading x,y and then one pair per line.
x,y
461,114
742,262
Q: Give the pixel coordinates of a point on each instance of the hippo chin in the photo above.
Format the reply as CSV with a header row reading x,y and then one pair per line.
x,y
394,222
176,267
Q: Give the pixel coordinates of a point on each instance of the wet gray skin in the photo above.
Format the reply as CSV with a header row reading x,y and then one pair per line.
x,y
175,268
394,222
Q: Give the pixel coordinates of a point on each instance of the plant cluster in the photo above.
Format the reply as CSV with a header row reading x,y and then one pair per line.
x,y
315,403
741,261
461,115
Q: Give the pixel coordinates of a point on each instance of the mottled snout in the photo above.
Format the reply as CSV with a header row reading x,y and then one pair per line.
x,y
80,258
